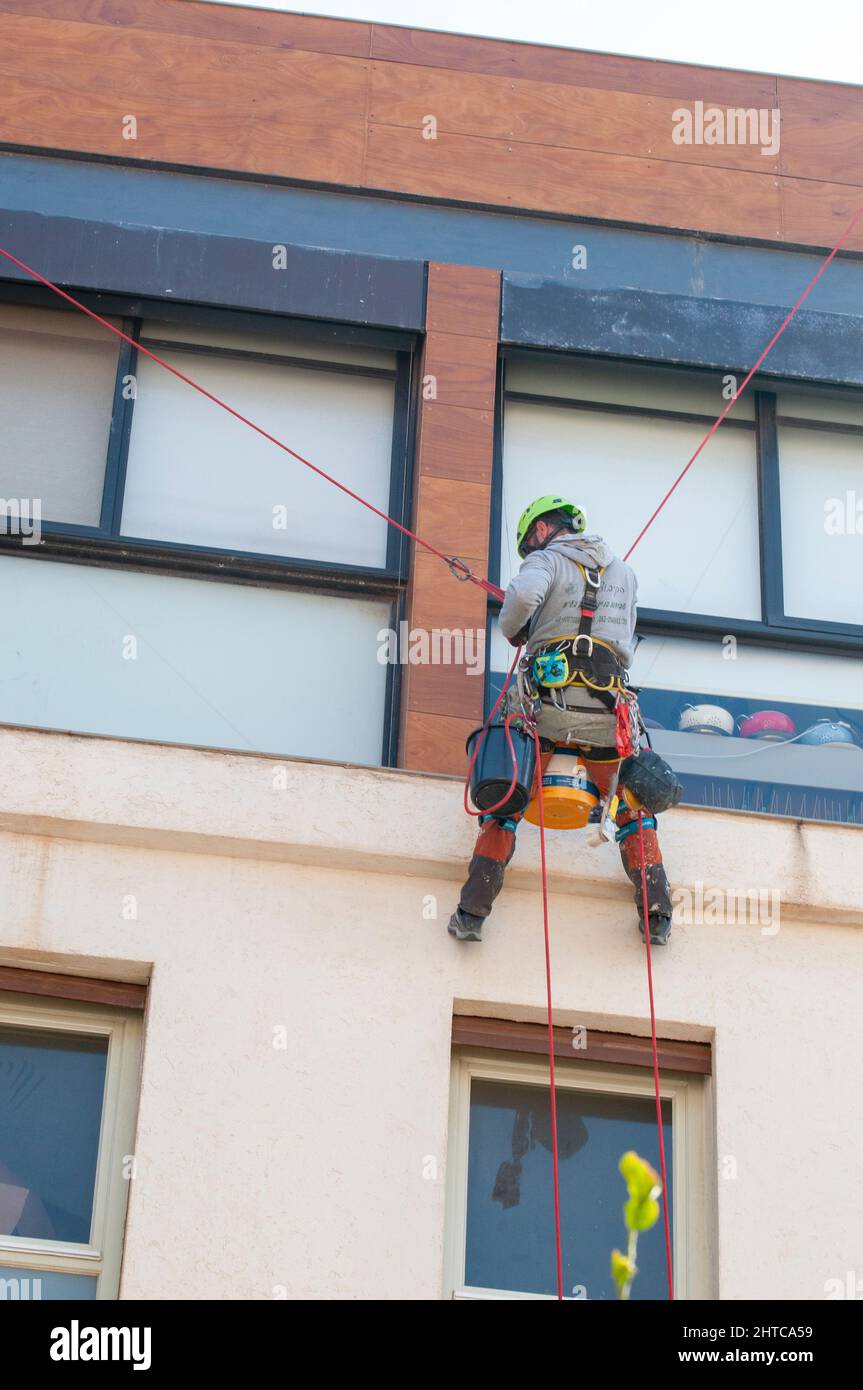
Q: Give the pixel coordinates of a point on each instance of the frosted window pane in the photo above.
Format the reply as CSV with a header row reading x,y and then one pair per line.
x,y
757,672
625,385
198,476
221,665
701,553
57,375
273,341
840,409
821,481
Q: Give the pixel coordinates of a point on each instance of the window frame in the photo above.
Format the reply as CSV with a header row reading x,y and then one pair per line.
x,y
106,545
693,1193
101,1256
776,627
133,316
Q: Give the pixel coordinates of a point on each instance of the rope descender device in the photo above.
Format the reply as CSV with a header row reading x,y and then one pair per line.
x,y
452,561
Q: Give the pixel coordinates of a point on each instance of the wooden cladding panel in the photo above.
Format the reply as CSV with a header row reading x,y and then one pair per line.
x,y
582,183
126,63
608,71
337,102
816,214
209,21
167,82
618,1049
39,114
545,113
463,299
454,442
452,685
822,132
456,513
463,369
442,700
436,742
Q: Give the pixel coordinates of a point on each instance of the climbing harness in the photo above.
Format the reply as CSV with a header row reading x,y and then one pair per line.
x,y
582,658
461,571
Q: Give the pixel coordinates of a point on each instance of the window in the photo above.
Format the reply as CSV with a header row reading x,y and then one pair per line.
x,y
820,448
68,1079
189,661
151,490
614,440
749,581
760,731
500,1231
197,476
57,375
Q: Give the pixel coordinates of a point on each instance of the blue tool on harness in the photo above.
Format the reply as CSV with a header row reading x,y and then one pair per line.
x,y
550,668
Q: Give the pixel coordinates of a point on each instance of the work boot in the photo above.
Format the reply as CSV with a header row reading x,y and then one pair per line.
x,y
660,929
465,926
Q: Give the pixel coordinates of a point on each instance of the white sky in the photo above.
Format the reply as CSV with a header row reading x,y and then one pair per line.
x,y
795,37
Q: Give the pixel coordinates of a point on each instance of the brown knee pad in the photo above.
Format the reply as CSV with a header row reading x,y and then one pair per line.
x,y
495,846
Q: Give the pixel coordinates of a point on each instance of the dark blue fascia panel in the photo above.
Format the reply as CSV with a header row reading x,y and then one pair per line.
x,y
223,271
678,329
413,229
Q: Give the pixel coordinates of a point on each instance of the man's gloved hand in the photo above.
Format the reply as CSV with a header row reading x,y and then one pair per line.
x,y
519,637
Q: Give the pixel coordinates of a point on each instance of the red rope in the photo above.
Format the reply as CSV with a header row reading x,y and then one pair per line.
x,y
655,1059
555,1156
391,521
750,374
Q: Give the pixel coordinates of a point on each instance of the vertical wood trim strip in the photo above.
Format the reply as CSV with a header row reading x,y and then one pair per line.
x,y
439,704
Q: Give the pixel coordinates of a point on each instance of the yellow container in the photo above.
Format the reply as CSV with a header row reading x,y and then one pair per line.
x,y
568,794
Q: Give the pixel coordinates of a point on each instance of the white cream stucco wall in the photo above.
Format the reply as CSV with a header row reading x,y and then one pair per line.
x,y
292,894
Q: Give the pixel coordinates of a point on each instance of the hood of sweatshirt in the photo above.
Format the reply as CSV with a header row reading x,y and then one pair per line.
x,y
591,551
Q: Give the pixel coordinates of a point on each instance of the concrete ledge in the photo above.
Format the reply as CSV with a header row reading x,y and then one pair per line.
x,y
380,820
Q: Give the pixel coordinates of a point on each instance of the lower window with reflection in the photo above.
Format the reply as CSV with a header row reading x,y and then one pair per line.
x,y
67,1073
501,1240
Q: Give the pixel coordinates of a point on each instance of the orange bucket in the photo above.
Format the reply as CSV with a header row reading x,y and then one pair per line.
x,y
568,794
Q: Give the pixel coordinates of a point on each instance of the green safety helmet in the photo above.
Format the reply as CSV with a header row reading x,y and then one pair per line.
x,y
548,503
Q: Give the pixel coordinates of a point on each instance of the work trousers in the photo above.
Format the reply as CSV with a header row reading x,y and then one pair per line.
x,y
495,846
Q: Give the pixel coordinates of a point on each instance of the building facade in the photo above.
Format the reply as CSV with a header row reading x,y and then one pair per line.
x,y
240,1056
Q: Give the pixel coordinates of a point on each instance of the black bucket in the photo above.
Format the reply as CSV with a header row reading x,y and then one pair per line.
x,y
491,774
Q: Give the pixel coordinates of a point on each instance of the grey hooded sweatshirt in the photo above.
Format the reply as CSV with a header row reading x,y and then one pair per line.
x,y
547,592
